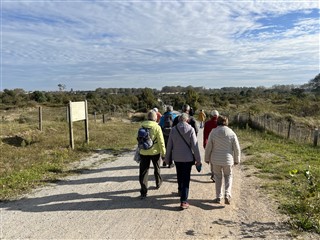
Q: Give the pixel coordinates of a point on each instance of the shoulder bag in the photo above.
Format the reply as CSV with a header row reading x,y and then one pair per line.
x,y
194,159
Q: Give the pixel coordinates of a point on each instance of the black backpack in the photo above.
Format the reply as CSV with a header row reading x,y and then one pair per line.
x,y
167,124
144,139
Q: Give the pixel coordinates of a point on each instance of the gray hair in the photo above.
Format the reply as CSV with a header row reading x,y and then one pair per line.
x,y
183,117
169,108
152,116
185,108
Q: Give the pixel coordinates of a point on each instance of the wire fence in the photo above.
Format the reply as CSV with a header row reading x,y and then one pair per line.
x,y
38,118
41,117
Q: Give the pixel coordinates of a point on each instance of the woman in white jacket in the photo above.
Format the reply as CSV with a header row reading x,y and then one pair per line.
x,y
222,151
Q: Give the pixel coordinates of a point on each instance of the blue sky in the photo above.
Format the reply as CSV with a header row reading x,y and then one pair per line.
x,y
131,44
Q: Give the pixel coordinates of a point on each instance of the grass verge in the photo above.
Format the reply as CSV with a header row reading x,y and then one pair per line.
x,y
291,173
31,158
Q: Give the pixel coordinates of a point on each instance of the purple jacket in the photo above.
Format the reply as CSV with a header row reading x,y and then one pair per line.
x,y
177,149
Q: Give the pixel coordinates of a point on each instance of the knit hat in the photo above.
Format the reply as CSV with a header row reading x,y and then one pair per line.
x,y
215,113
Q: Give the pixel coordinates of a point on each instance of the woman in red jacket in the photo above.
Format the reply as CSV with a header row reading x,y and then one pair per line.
x,y
208,126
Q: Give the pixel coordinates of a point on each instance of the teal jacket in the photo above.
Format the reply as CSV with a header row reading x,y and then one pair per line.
x,y
157,137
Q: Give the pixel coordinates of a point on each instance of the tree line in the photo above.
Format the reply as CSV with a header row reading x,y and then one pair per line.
x,y
288,99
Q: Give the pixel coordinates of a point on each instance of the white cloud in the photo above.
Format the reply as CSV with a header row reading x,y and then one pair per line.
x,y
100,44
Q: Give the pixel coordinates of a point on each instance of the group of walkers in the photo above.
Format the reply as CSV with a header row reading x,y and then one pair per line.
x,y
174,140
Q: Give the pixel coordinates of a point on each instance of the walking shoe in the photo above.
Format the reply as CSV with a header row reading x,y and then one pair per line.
x,y
159,185
212,178
227,200
199,167
171,165
184,205
217,200
143,196
164,164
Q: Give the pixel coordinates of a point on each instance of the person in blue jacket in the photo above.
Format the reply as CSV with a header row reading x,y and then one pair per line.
x,y
166,124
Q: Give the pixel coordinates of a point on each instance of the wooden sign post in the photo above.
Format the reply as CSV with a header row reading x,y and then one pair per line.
x,y
78,111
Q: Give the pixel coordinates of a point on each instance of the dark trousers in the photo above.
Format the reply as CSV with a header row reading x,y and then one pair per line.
x,y
183,176
166,138
144,171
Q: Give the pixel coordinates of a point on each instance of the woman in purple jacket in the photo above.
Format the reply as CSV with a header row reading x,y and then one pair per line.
x,y
182,145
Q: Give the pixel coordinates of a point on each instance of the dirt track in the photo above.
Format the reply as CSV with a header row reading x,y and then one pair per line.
x,y
104,203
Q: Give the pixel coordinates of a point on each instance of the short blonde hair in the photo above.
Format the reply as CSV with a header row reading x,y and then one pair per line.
x,y
152,116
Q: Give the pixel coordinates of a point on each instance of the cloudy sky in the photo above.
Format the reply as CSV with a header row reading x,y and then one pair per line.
x,y
129,44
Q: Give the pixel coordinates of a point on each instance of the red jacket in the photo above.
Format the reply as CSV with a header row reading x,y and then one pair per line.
x,y
208,126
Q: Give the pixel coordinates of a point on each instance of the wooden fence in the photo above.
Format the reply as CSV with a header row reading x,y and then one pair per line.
x,y
37,116
283,127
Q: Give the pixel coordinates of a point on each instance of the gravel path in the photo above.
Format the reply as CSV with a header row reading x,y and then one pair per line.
x,y
103,203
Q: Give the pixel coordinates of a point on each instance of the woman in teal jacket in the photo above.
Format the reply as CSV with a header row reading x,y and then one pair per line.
x,y
152,154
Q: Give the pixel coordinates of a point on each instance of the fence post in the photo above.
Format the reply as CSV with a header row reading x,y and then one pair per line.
x,y
315,137
249,120
289,129
67,112
103,118
40,118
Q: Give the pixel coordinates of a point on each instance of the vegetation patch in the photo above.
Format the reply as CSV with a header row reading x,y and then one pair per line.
x,y
32,158
290,172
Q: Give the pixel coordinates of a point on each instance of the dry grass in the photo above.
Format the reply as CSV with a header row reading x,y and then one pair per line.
x,y
30,157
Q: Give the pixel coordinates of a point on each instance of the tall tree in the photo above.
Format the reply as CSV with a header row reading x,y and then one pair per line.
x,y
61,87
315,84
148,98
192,98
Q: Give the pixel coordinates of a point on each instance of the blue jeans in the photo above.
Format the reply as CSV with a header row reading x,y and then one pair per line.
x,y
183,175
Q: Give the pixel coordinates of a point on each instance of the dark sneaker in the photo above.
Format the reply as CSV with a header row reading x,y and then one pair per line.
x,y
212,178
199,167
164,164
143,196
159,185
227,200
184,205
217,200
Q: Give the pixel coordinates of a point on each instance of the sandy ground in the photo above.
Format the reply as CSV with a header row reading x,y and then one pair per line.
x,y
103,203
